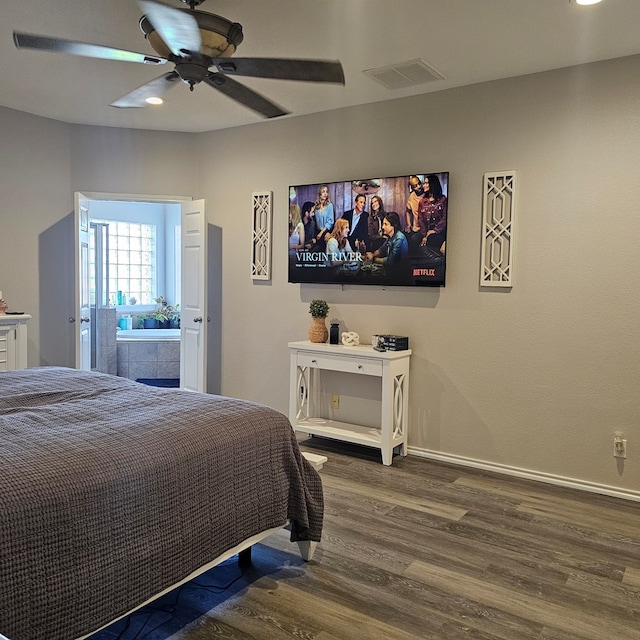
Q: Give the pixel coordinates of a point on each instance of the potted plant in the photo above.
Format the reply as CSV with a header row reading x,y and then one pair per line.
x,y
162,313
174,316
318,331
158,318
146,320
162,318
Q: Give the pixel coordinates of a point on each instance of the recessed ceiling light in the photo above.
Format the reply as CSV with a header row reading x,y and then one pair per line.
x,y
585,2
154,100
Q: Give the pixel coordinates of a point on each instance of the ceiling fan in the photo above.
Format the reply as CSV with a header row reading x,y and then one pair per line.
x,y
199,44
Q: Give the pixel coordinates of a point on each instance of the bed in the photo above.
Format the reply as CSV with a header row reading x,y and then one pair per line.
x,y
111,492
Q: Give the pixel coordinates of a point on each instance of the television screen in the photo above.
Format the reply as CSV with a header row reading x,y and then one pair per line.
x,y
381,231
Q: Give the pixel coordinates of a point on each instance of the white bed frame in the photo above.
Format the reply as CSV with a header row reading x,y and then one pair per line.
x,y
242,550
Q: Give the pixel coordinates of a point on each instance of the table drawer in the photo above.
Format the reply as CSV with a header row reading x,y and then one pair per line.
x,y
355,364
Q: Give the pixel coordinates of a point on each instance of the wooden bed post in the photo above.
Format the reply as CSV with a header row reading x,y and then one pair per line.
x,y
307,549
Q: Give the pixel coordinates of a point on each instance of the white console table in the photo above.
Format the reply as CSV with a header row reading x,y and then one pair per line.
x,y
13,341
309,359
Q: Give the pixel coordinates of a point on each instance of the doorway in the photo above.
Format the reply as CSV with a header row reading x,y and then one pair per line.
x,y
134,262
198,278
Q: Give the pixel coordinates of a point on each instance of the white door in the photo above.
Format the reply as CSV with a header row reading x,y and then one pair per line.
x,y
193,310
82,316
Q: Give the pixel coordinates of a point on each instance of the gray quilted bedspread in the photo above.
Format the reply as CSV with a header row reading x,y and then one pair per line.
x,y
111,491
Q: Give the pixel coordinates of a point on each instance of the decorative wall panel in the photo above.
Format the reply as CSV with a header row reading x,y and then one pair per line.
x,y
261,240
498,215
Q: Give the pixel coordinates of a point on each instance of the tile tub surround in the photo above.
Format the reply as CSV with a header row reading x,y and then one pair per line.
x,y
159,358
105,341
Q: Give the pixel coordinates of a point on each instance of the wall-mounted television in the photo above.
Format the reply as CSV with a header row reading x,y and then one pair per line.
x,y
378,231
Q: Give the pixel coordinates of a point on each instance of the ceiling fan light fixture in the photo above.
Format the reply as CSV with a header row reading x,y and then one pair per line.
x,y
199,45
220,37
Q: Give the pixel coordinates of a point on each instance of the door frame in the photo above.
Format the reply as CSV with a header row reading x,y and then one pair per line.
x,y
84,196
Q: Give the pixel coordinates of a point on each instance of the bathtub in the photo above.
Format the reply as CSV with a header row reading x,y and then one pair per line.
x,y
126,335
149,354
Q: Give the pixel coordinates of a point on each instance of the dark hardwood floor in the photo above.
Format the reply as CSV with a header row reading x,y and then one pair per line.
x,y
424,550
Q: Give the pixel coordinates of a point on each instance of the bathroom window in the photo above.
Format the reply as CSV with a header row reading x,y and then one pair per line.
x,y
132,257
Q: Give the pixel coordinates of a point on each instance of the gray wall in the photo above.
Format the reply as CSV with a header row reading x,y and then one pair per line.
x,y
536,378
35,229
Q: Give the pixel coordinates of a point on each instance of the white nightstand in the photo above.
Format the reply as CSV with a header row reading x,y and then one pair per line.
x,y
13,341
309,411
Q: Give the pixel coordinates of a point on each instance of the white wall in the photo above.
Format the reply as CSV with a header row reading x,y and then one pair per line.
x,y
536,378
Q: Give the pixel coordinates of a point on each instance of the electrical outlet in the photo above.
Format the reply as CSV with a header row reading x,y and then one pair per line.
x,y
335,401
619,445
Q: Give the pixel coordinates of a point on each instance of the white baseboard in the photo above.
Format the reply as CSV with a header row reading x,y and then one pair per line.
x,y
561,481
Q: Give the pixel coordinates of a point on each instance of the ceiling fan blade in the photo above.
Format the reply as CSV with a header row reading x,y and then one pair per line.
x,y
283,69
156,88
177,27
60,45
248,97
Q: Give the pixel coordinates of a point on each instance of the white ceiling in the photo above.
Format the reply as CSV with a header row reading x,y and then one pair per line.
x,y
467,41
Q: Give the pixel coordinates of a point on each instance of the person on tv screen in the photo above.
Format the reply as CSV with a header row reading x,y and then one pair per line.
x,y
411,225
339,250
432,214
324,213
376,216
394,253
296,229
309,224
358,223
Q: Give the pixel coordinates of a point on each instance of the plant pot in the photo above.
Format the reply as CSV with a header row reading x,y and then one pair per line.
x,y
318,331
164,324
149,323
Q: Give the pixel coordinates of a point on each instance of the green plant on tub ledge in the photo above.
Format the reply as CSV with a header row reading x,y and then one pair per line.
x,y
318,331
174,316
162,317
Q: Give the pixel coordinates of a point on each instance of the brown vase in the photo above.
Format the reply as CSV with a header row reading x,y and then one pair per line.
x,y
318,331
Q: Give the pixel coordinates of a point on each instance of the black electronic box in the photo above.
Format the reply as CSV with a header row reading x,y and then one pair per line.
x,y
390,343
